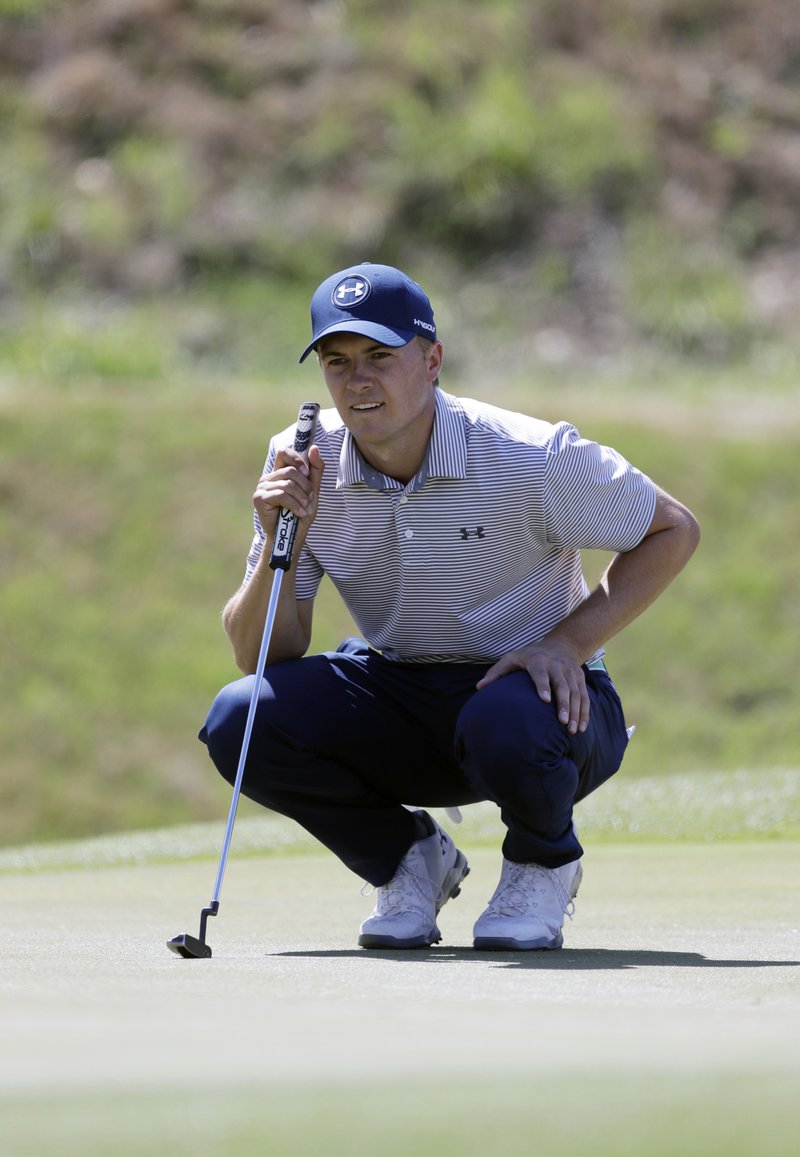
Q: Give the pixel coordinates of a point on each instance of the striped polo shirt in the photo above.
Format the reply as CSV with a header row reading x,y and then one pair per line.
x,y
479,553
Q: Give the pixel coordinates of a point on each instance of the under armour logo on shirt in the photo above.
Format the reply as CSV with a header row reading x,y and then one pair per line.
x,y
476,533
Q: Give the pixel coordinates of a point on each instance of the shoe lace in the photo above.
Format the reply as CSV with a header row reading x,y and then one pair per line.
x,y
404,892
514,892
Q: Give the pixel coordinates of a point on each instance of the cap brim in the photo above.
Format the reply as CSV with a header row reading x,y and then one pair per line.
x,y
380,333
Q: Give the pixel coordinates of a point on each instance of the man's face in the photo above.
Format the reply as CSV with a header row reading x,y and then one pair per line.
x,y
384,394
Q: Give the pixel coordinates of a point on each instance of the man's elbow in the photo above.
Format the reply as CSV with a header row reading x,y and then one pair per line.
x,y
681,527
243,655
680,537
689,529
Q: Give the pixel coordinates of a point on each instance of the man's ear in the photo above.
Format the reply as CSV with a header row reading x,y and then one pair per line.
x,y
435,358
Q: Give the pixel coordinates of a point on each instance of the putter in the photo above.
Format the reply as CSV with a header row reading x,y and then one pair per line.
x,y
195,947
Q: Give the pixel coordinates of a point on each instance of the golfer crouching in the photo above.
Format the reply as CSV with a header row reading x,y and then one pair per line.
x,y
452,530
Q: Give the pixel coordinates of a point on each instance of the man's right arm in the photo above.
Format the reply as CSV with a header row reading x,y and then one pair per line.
x,y
246,612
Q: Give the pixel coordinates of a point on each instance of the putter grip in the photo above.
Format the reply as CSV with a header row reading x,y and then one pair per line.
x,y
286,527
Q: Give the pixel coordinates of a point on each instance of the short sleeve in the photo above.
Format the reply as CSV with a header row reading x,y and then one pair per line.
x,y
594,498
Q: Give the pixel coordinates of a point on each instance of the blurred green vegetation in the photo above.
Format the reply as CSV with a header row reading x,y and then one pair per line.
x,y
126,517
594,182
599,198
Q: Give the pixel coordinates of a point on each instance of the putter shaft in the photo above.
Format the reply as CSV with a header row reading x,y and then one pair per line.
x,y
191,947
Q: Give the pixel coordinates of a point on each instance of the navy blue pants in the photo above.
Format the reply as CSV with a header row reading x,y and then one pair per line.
x,y
341,740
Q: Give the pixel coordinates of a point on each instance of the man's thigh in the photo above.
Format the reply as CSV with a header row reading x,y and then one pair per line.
x,y
391,723
509,728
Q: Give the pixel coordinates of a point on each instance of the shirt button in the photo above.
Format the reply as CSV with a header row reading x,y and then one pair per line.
x,y
409,533
404,498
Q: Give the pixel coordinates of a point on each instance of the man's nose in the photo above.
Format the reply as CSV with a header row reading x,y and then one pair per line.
x,y
360,376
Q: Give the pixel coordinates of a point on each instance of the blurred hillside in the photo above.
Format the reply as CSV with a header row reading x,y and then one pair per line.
x,y
580,183
596,195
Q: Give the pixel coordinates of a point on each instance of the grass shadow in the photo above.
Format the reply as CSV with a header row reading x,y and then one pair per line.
x,y
565,960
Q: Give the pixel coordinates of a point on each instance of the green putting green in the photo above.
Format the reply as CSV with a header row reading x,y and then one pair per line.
x,y
668,1023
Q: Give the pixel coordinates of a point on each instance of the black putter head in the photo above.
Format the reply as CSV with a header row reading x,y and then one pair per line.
x,y
189,947
195,947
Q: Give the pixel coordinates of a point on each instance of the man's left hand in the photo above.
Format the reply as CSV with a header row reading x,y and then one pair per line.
x,y
556,674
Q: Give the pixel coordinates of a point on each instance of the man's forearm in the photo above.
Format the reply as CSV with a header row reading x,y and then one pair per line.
x,y
245,614
633,581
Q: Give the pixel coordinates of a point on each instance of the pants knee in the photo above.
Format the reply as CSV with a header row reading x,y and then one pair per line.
x,y
507,743
223,731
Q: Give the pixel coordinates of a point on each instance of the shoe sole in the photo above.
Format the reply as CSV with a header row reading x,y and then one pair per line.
x,y
451,885
368,940
508,944
452,888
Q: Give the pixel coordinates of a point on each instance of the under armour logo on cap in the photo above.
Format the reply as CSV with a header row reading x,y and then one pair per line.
x,y
351,292
375,301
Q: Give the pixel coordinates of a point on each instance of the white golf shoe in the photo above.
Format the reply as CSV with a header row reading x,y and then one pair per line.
x,y
528,907
405,914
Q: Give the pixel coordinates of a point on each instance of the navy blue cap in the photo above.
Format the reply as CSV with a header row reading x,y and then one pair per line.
x,y
376,301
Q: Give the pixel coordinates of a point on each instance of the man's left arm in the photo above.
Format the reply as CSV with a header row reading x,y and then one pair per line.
x,y
634,579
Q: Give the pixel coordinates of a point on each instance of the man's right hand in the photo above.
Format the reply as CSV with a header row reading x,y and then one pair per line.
x,y
293,483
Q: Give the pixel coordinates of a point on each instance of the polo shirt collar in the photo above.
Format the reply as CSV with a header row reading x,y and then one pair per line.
x,y
446,456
